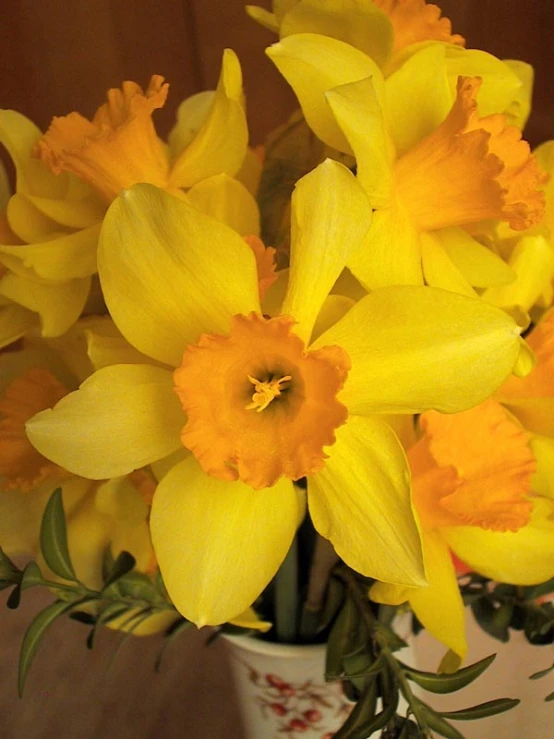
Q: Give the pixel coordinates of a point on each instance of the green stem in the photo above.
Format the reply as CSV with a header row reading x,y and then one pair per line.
x,y
286,596
372,624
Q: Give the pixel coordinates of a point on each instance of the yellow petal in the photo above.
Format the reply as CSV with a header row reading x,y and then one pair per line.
x,y
106,346
63,258
532,261
360,501
383,261
228,201
314,64
249,619
122,418
221,142
359,114
502,85
169,273
438,268
59,306
524,557
418,97
420,347
71,213
519,108
28,223
535,414
19,135
330,217
543,451
263,17
191,115
439,606
357,22
219,543
332,310
480,266
15,321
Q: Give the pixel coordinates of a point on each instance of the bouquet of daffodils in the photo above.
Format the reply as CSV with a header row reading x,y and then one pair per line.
x,y
297,387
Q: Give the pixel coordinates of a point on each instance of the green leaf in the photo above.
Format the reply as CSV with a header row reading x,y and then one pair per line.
x,y
31,576
53,538
493,620
549,697
541,673
436,722
341,639
490,708
121,566
137,586
448,682
380,720
9,573
170,635
34,634
361,666
363,711
393,641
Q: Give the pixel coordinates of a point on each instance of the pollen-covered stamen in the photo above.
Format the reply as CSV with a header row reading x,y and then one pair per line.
x,y
266,391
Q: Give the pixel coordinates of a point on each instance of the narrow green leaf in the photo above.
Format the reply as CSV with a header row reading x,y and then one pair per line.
x,y
363,711
436,722
549,697
123,564
34,634
380,720
170,635
361,666
448,682
493,621
341,639
541,673
490,708
53,538
31,576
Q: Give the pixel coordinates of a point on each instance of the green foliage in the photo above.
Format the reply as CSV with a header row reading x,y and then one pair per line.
x,y
124,594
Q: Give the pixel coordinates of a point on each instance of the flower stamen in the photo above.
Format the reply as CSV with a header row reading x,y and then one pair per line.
x,y
265,391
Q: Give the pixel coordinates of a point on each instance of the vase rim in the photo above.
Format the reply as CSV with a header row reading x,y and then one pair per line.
x,y
274,649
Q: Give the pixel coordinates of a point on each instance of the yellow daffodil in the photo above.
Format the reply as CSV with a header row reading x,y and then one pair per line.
x,y
472,482
431,166
530,254
253,406
66,178
383,29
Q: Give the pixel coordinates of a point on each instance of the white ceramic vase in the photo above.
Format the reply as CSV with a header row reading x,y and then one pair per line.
x,y
282,692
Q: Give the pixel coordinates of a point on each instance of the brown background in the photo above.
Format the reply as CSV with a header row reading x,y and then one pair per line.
x,y
62,55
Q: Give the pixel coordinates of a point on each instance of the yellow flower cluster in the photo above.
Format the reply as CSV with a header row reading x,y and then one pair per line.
x,y
377,354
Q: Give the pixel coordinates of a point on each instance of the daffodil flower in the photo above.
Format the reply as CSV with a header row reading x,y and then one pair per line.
x,y
530,254
430,164
183,289
473,489
383,29
67,177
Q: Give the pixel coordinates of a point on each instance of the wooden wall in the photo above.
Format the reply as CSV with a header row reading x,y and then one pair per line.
x,y
61,55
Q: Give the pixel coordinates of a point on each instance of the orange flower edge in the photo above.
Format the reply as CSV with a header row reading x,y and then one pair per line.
x,y
20,463
259,405
115,150
491,455
471,169
414,21
265,263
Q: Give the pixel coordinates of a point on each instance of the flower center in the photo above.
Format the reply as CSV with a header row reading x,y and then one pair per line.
x,y
265,392
260,366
